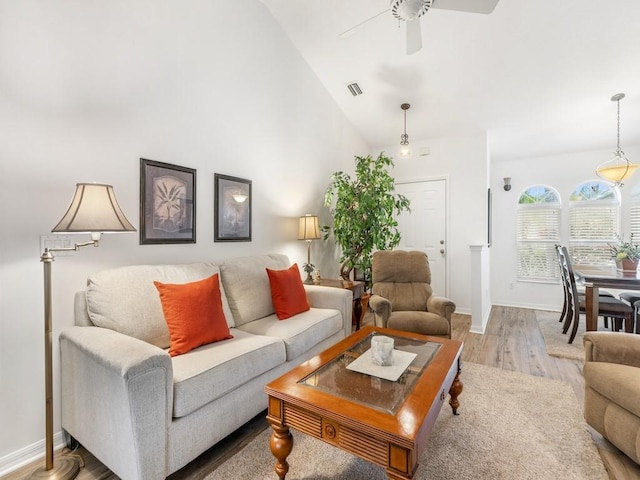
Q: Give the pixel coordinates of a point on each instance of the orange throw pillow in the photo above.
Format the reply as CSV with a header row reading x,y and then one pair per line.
x,y
193,312
287,292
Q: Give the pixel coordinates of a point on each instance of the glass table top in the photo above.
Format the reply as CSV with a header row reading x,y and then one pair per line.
x,y
336,379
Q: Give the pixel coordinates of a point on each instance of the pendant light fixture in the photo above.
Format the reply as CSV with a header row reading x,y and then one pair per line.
x,y
619,167
405,149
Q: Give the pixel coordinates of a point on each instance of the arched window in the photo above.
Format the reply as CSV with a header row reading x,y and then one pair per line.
x,y
538,230
594,220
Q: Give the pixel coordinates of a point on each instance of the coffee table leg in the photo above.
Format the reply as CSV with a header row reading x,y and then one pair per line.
x,y
281,444
455,391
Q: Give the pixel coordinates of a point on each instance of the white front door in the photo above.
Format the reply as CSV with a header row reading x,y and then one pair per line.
x,y
424,228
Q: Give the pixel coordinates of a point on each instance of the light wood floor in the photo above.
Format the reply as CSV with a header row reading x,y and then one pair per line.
x,y
512,342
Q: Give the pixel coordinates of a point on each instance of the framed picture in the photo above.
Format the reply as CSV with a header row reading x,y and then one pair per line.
x,y
167,203
232,209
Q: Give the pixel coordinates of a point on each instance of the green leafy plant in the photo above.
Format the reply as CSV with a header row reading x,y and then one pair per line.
x,y
625,250
364,210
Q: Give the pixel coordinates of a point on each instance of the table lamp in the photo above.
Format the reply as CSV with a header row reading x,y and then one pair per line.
x,y
95,210
308,231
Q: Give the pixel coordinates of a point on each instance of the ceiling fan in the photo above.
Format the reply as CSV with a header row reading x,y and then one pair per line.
x,y
410,11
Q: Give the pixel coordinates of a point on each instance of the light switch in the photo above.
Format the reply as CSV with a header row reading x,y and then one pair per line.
x,y
58,241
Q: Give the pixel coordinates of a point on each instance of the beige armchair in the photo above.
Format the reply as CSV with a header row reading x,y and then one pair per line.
x,y
612,388
402,297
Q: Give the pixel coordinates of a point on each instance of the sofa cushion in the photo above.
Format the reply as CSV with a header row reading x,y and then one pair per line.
x,y
287,292
300,332
125,299
193,312
211,371
618,383
247,285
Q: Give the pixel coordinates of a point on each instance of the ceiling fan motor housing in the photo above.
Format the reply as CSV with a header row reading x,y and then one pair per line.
x,y
408,10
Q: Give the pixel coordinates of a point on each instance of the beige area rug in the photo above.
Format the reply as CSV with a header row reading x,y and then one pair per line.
x,y
555,340
511,426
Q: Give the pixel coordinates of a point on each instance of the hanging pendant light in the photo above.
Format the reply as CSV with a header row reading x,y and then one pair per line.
x,y
619,167
405,149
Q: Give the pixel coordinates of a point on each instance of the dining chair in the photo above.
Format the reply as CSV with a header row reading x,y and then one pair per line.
x,y
565,316
575,303
633,299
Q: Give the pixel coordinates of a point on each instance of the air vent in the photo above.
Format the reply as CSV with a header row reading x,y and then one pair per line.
x,y
355,89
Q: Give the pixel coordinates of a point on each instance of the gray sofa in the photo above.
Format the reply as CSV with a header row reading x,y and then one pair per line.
x,y
145,414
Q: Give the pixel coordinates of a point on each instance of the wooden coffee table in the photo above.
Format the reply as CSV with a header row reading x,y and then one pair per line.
x,y
384,422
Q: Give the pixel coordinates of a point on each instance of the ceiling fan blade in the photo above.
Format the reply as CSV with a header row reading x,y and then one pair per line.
x,y
473,6
352,30
414,36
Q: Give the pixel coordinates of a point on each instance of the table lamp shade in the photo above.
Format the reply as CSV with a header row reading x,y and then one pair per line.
x,y
94,208
308,228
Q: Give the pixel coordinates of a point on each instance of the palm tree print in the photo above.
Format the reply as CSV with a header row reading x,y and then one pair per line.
x,y
169,194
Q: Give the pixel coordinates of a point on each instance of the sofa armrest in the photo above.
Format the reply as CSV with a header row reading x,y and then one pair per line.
x,y
117,394
381,308
334,298
612,347
441,305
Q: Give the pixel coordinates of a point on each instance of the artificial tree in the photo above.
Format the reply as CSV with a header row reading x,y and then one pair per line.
x,y
363,211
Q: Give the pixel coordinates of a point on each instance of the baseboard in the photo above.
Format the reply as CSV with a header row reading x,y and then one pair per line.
x,y
28,454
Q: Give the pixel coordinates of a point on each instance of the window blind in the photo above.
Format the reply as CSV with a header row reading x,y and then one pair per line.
x,y
538,230
591,230
634,221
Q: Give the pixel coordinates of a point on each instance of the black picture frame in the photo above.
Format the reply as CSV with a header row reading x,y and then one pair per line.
x,y
167,203
232,209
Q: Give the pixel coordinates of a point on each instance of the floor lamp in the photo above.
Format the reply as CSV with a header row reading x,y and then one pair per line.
x,y
308,231
95,210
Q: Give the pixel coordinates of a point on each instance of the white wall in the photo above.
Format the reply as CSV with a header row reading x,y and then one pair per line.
x,y
564,173
87,88
463,162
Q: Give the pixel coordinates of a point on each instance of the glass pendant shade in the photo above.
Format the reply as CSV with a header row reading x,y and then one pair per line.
x,y
619,167
405,149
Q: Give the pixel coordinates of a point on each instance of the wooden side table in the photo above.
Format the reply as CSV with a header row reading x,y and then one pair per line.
x,y
356,286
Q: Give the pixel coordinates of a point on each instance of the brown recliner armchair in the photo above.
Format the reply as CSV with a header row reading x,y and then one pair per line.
x,y
402,297
612,388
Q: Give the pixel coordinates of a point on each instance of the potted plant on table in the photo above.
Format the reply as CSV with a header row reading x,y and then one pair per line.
x,y
364,210
626,254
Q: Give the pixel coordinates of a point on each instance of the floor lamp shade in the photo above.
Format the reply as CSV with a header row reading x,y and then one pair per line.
x,y
94,208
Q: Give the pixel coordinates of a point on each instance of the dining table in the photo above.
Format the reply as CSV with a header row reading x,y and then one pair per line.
x,y
607,277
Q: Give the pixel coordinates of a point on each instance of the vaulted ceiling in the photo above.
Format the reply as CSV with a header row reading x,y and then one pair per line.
x,y
536,75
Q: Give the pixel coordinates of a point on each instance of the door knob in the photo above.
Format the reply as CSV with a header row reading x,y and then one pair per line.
x,y
442,251
441,242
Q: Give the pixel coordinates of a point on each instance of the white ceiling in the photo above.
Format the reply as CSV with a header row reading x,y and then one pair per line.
x,y
537,75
